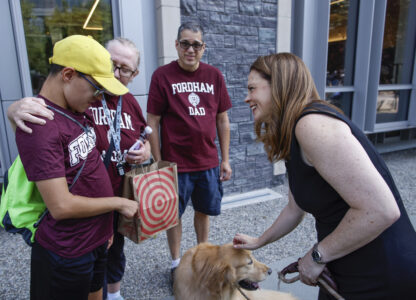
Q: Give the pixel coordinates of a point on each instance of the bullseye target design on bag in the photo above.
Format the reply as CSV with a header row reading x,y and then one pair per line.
x,y
158,201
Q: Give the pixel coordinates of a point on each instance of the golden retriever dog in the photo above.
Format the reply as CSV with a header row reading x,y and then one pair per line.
x,y
210,272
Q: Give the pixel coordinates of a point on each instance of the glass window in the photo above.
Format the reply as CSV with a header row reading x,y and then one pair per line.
x,y
341,42
397,54
341,100
48,21
392,106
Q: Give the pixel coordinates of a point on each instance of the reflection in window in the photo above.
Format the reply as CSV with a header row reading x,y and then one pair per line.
x,y
397,55
341,42
392,106
48,21
341,100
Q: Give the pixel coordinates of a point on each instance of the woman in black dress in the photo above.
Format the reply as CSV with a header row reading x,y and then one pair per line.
x,y
365,237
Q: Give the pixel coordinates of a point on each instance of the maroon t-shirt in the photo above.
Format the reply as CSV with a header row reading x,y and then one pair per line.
x,y
188,103
132,124
58,149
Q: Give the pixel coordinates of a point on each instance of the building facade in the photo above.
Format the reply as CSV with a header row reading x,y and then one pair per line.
x,y
361,54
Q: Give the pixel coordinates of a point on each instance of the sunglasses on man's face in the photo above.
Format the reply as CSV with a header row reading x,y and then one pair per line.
x,y
99,92
196,45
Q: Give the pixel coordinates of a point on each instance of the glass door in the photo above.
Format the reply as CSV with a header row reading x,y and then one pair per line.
x,y
341,54
48,21
397,61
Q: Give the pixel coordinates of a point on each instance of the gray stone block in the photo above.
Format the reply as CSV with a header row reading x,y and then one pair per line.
x,y
255,149
226,55
229,41
188,7
247,137
214,40
269,10
267,35
211,5
220,18
235,73
240,114
246,127
250,8
232,190
238,154
247,43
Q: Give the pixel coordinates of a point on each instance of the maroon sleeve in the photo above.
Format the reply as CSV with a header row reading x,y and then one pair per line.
x,y
41,151
156,102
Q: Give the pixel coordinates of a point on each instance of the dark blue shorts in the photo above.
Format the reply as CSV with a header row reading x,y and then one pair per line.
x,y
56,277
204,188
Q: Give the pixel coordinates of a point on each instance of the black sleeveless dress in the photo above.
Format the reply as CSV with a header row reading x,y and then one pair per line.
x,y
383,269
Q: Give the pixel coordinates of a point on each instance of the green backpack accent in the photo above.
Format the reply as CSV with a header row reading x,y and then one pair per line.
x,y
21,204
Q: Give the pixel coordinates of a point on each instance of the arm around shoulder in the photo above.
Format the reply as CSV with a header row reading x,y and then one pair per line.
x,y
28,109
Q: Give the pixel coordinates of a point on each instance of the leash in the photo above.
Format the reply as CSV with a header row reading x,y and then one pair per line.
x,y
325,280
241,291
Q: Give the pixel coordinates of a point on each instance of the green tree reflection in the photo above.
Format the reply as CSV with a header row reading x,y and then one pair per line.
x,y
46,22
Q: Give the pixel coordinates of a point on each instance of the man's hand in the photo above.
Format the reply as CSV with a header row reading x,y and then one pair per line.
x,y
28,109
225,171
129,208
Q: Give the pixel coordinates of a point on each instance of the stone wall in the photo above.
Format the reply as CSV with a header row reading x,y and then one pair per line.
x,y
236,33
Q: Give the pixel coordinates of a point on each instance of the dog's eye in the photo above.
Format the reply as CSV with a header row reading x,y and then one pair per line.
x,y
250,262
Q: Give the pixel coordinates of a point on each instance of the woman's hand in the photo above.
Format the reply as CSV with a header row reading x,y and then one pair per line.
x,y
139,156
243,241
309,270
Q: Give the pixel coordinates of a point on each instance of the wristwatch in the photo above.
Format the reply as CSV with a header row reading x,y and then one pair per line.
x,y
316,255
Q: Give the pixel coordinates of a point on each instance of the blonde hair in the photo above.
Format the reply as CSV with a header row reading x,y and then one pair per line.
x,y
292,89
127,43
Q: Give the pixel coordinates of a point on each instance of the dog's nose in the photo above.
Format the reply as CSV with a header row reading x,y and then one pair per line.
x,y
269,271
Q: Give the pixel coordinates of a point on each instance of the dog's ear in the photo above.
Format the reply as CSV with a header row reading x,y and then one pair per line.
x,y
221,277
211,271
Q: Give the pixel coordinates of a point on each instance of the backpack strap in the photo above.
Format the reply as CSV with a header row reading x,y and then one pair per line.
x,y
83,165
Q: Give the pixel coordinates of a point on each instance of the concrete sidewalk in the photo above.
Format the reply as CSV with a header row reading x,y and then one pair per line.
x,y
147,270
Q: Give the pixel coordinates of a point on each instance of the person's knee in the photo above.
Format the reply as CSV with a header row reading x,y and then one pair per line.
x,y
201,216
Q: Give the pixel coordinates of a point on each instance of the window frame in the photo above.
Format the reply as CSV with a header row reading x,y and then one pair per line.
x,y
310,25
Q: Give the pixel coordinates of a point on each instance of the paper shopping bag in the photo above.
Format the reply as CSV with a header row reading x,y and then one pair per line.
x,y
155,187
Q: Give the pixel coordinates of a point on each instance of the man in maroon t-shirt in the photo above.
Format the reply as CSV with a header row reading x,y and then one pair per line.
x,y
69,255
188,99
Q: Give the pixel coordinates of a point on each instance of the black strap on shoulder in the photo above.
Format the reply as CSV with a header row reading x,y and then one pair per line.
x,y
110,149
86,132
83,164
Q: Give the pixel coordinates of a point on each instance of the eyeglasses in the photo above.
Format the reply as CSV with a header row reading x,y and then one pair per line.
x,y
125,72
98,91
196,45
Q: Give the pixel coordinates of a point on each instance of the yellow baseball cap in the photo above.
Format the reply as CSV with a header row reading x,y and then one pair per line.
x,y
87,56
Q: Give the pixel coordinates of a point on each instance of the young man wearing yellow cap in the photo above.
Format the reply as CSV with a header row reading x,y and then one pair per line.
x,y
126,59
69,255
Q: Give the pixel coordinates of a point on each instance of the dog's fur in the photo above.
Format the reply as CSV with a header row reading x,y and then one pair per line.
x,y
208,272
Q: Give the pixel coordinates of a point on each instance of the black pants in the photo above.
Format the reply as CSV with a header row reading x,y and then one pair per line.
x,y
56,277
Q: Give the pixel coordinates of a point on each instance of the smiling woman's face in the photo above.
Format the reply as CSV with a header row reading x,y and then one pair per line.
x,y
259,96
